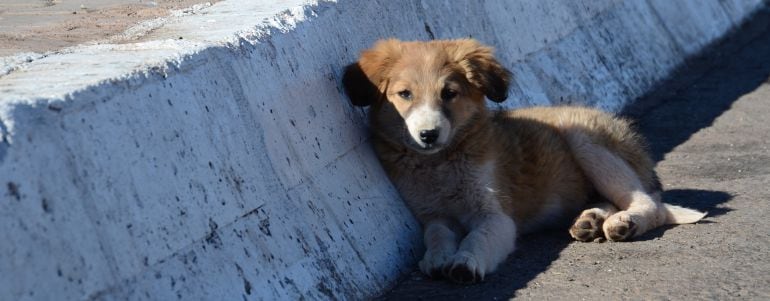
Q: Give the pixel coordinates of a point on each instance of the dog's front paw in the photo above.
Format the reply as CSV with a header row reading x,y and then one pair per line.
x,y
435,262
620,226
465,269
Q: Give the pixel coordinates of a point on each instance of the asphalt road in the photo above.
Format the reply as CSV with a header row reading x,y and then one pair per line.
x,y
709,132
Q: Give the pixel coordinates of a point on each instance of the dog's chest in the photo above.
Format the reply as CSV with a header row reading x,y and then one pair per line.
x,y
451,188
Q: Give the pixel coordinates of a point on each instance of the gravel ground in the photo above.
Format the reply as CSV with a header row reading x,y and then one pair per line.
x,y
708,131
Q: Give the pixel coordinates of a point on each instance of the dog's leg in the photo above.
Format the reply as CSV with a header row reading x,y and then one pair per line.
x,y
616,181
588,226
491,238
440,244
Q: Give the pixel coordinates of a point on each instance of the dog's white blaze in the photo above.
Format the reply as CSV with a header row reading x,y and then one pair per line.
x,y
492,232
425,118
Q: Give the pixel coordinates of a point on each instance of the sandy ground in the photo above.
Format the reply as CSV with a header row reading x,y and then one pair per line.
x,y
709,133
46,25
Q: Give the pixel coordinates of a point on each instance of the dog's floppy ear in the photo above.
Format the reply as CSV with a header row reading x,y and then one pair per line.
x,y
360,90
481,68
365,80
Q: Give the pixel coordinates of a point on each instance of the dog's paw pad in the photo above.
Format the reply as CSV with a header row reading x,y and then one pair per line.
x,y
434,264
587,227
465,270
463,274
620,227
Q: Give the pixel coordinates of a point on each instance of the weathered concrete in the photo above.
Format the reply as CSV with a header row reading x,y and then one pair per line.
x,y
218,159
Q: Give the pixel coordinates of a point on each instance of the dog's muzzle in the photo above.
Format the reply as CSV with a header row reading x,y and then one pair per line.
x,y
428,129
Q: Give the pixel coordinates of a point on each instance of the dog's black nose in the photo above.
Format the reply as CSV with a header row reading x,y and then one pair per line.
x,y
428,136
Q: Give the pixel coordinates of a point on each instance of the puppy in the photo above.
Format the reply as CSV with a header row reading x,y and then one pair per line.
x,y
475,178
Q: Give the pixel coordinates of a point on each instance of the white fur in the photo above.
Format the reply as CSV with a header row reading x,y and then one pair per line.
x,y
441,245
489,242
427,117
492,233
614,179
681,215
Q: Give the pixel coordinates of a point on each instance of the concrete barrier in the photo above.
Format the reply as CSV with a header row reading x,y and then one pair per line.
x,y
217,158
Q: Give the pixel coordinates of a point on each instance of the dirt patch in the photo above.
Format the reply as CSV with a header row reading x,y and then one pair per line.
x,y
47,25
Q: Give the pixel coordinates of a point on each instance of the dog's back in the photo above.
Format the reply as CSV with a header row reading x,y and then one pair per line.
x,y
614,133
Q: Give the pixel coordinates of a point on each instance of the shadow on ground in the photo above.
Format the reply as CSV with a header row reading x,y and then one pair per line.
x,y
705,87
534,253
702,200
691,100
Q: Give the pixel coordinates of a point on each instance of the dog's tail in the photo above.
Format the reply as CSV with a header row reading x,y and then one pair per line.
x,y
680,215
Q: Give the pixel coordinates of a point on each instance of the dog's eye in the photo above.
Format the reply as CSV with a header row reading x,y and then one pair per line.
x,y
448,94
406,94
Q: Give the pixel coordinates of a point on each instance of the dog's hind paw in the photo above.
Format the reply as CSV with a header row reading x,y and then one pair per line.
x,y
620,226
465,269
588,226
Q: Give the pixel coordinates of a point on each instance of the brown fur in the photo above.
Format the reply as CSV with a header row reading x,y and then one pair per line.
x,y
489,173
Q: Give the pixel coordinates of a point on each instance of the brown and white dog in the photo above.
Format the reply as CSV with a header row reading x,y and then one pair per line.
x,y
475,178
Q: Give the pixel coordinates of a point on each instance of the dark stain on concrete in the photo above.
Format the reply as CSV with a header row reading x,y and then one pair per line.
x,y
3,142
54,108
246,284
429,31
213,237
13,191
324,289
45,205
264,226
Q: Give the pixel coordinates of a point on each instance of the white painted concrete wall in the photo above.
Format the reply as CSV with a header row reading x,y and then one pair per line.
x,y
228,164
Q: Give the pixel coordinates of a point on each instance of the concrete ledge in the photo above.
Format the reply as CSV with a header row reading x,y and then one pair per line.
x,y
218,158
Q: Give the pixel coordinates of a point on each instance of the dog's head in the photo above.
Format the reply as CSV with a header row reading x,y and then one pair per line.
x,y
423,93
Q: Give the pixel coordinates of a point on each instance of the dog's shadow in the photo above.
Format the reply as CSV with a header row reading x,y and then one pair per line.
x,y
535,252
701,200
